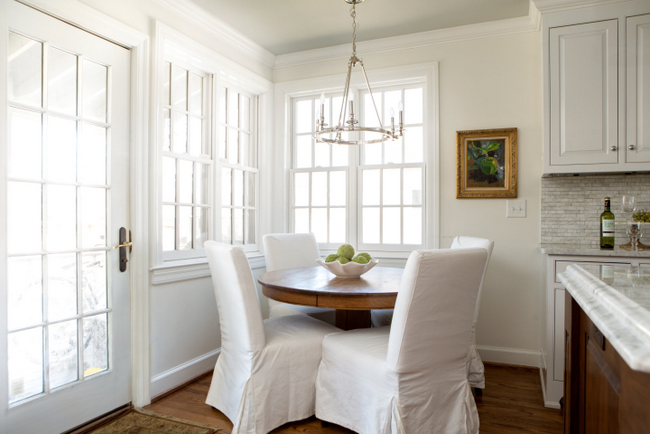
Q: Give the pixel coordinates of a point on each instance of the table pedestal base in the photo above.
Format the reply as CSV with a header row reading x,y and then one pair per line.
x,y
352,319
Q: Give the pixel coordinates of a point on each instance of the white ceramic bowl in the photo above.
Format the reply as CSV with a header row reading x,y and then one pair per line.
x,y
349,270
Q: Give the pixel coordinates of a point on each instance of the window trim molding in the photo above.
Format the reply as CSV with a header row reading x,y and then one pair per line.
x,y
193,54
426,73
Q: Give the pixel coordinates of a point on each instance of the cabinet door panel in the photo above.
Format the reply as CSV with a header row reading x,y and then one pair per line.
x,y
584,107
638,89
602,387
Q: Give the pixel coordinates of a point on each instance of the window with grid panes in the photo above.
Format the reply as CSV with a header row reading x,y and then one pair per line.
x,y
186,160
389,184
391,174
238,165
319,175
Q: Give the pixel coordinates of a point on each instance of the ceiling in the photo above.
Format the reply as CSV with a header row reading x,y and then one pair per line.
x,y
285,26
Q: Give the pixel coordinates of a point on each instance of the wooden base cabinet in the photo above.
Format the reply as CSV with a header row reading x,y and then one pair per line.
x,y
601,393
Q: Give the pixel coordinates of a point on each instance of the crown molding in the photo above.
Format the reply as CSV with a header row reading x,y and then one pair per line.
x,y
219,29
529,23
550,6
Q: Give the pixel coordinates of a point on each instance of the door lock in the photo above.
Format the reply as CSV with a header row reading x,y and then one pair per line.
x,y
122,246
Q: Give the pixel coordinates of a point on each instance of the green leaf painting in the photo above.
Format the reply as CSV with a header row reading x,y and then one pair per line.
x,y
486,161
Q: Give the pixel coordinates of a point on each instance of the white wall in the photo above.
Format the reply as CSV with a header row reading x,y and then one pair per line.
x,y
486,83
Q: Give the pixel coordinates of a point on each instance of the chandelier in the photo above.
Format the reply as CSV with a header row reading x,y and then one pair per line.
x,y
349,132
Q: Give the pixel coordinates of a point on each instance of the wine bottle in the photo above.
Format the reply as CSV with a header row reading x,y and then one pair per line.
x,y
607,227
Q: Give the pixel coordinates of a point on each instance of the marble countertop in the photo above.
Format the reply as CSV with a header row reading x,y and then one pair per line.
x,y
619,308
585,250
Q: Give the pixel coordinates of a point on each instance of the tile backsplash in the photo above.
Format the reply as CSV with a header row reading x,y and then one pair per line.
x,y
571,205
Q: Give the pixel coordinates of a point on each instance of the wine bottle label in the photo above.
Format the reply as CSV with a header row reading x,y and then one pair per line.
x,y
607,272
608,225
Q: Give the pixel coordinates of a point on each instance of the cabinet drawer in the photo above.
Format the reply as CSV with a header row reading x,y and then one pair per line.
x,y
561,266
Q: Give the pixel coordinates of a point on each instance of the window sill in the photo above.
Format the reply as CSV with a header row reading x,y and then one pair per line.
x,y
181,270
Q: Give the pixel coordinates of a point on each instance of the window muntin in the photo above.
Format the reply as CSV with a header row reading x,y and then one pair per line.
x,y
392,173
319,175
186,161
237,150
389,181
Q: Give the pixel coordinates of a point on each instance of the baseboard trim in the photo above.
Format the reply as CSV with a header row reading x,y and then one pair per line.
x,y
169,380
510,356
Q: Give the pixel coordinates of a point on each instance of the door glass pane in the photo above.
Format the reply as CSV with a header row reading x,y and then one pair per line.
x,y
94,91
62,82
61,217
25,144
25,364
391,226
169,227
63,353
95,350
25,70
23,217
62,286
184,227
93,280
93,217
92,155
61,150
24,291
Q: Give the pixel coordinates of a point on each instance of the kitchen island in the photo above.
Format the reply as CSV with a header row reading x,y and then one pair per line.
x,y
607,349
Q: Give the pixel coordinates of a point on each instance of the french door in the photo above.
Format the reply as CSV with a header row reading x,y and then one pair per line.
x,y
68,305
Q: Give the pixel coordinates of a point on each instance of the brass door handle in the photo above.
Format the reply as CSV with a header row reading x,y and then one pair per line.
x,y
125,244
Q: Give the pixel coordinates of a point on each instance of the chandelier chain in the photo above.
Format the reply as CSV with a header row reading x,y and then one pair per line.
x,y
353,14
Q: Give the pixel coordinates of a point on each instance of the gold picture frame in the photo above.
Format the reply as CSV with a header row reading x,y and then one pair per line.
x,y
486,164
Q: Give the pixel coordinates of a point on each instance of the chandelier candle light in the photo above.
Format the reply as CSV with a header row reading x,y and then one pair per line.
x,y
353,132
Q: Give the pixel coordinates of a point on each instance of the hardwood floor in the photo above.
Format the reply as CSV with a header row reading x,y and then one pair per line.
x,y
511,403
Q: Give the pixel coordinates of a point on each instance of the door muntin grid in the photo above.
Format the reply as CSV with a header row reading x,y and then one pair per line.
x,y
59,304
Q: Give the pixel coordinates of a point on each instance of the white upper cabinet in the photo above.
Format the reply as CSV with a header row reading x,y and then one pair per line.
x,y
638,89
584,79
597,89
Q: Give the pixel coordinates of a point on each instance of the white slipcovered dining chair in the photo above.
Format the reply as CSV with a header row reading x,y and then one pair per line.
x,y
283,251
475,369
266,372
410,377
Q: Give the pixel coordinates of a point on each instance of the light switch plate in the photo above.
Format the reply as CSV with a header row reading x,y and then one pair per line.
x,y
516,208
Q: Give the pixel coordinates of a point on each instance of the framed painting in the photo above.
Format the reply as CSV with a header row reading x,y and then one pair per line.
x,y
486,163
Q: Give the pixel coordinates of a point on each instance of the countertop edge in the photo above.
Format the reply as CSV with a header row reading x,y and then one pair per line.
x,y
630,345
584,250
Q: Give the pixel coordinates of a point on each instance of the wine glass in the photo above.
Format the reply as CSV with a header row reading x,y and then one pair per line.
x,y
628,205
633,230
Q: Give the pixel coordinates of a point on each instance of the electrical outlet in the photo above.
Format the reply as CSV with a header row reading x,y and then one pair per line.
x,y
516,208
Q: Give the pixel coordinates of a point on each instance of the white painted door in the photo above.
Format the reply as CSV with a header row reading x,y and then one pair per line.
x,y
67,303
638,89
584,94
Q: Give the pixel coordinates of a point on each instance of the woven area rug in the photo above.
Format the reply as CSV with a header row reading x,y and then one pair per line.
x,y
139,421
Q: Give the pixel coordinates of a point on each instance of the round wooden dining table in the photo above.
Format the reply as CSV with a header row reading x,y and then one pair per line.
x,y
353,298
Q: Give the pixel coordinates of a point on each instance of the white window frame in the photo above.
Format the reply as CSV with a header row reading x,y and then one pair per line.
x,y
424,74
191,55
